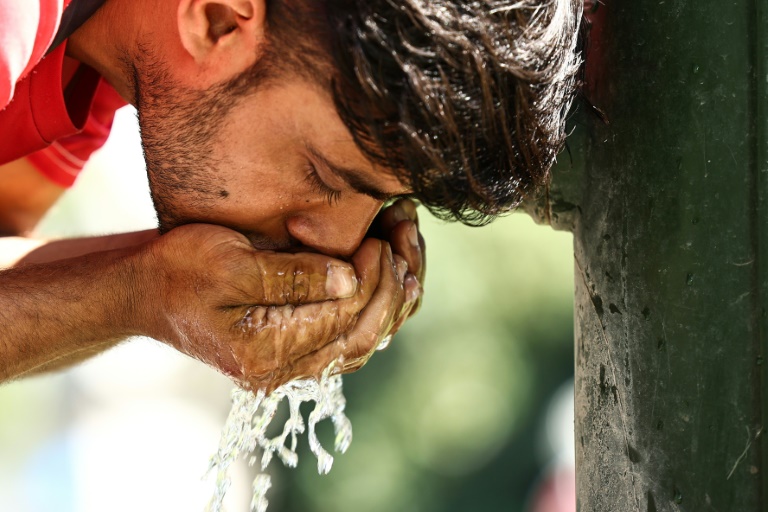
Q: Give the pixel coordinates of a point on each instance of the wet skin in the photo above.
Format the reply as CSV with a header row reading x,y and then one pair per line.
x,y
291,332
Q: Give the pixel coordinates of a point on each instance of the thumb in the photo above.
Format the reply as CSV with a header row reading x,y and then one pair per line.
x,y
284,278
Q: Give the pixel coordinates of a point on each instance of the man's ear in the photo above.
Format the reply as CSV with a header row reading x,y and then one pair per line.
x,y
222,36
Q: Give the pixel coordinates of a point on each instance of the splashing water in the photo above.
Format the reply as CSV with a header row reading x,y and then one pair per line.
x,y
251,415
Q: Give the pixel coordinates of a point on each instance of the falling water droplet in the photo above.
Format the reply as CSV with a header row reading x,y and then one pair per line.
x,y
384,343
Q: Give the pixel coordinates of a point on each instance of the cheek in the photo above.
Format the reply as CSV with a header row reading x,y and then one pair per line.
x,y
250,199
269,183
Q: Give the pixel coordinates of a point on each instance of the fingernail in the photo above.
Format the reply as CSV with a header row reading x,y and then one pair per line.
x,y
402,268
399,214
340,282
413,289
413,235
409,208
411,294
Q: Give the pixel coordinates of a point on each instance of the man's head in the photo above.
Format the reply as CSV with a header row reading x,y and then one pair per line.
x,y
294,120
465,101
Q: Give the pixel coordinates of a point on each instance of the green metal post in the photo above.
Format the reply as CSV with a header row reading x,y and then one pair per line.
x,y
668,204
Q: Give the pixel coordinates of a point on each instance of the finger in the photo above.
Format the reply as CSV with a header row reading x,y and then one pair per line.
x,y
311,328
401,318
411,304
303,329
414,293
408,241
378,317
281,335
404,209
277,279
404,239
420,276
400,210
353,349
311,365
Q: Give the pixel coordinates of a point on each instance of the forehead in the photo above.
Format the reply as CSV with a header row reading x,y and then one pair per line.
x,y
293,115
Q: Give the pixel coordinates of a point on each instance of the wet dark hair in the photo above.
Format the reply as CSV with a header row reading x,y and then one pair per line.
x,y
463,101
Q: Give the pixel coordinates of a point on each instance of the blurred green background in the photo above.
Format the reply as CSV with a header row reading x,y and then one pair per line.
x,y
452,417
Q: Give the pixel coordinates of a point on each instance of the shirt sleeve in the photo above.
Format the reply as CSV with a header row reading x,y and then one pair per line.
x,y
62,161
27,29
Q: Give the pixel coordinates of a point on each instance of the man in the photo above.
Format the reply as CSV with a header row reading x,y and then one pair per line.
x,y
273,134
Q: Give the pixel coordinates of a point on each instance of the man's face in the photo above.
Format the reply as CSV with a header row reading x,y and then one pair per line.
x,y
276,164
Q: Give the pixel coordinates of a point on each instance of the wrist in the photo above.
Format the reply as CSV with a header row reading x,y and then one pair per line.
x,y
135,308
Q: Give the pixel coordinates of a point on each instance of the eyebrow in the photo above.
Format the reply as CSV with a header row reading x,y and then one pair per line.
x,y
356,179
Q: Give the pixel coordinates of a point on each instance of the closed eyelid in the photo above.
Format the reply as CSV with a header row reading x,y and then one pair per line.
x,y
331,194
355,179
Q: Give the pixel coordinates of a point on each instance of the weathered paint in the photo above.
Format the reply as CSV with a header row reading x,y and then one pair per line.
x,y
668,204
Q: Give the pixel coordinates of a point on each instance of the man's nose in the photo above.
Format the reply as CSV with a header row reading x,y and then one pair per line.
x,y
335,230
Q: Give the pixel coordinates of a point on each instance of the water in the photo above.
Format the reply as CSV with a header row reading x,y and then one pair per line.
x,y
244,433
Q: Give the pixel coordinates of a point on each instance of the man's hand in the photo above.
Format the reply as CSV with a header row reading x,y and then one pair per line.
x,y
263,317
399,225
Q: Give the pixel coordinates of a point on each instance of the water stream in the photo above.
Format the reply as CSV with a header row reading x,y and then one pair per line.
x,y
244,433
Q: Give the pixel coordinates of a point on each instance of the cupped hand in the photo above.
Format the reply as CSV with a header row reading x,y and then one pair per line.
x,y
399,225
262,317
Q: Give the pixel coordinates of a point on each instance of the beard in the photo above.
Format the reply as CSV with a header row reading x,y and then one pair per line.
x,y
179,128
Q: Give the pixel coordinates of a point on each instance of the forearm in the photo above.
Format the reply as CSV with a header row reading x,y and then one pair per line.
x,y
63,311
69,360
17,251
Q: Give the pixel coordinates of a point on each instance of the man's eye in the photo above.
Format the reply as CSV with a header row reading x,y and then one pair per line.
x,y
319,186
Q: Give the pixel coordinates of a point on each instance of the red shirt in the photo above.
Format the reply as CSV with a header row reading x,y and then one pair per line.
x,y
57,136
